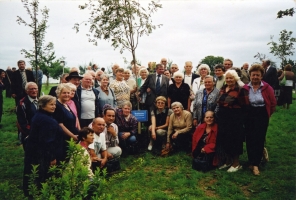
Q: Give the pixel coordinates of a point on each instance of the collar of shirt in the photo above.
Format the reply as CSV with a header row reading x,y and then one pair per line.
x,y
31,99
250,84
188,75
86,89
157,111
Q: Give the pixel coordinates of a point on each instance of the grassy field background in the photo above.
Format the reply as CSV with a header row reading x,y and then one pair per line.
x,y
146,176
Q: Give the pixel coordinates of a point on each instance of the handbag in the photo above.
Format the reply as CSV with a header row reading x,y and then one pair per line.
x,y
113,165
283,81
201,163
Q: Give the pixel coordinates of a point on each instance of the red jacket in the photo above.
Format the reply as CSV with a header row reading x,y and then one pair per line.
x,y
211,139
268,96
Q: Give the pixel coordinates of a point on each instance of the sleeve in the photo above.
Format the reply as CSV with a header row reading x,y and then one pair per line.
x,y
188,122
170,112
272,99
171,91
103,139
194,138
145,85
21,120
58,114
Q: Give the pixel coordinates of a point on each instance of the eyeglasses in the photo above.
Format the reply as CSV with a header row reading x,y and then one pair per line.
x,y
159,102
31,89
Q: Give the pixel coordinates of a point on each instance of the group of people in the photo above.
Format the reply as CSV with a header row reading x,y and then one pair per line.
x,y
196,113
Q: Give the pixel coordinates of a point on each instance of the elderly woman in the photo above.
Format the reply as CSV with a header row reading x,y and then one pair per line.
x,y
160,116
230,123
131,84
205,99
204,138
143,72
288,87
72,104
65,116
120,88
262,103
127,126
179,91
198,83
44,143
106,94
179,131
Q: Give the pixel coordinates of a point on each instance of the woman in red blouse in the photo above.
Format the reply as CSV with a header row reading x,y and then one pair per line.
x,y
204,137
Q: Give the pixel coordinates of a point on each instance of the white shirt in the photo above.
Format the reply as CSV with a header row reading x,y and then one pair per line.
x,y
87,104
99,144
187,79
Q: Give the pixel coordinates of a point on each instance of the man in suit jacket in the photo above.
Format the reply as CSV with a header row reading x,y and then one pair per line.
x,y
188,75
270,75
26,109
150,84
19,79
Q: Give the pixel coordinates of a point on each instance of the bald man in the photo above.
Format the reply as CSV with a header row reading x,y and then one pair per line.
x,y
98,149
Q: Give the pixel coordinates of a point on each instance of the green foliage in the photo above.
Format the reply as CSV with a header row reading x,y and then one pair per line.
x,y
43,55
285,46
70,180
122,22
287,12
212,61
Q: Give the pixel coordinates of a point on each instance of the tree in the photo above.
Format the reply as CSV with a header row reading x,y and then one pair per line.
x,y
287,12
212,61
284,48
42,55
121,21
261,57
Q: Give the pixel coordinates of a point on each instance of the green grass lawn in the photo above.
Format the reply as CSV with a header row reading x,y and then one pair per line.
x,y
146,176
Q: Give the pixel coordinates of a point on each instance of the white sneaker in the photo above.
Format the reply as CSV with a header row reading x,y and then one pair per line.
x,y
224,166
234,169
150,146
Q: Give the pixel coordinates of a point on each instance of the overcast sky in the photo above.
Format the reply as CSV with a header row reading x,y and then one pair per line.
x,y
191,30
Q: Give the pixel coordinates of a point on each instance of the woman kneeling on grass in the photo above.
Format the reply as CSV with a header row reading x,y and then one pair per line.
x,y
204,138
179,131
160,116
262,104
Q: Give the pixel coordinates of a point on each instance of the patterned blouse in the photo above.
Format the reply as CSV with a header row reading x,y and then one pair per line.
x,y
129,125
121,91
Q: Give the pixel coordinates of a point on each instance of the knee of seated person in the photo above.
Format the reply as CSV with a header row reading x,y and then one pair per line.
x,y
161,132
132,139
117,153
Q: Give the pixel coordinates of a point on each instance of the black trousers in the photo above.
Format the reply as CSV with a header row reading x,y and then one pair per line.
x,y
182,142
256,126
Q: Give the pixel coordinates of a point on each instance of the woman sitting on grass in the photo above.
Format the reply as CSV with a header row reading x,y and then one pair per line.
x,y
160,116
179,131
204,138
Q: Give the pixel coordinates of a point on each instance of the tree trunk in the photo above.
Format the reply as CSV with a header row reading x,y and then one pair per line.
x,y
47,81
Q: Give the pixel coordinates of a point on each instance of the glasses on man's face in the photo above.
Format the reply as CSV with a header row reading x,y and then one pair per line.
x,y
31,89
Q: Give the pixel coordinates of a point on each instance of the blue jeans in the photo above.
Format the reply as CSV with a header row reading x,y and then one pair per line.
x,y
128,141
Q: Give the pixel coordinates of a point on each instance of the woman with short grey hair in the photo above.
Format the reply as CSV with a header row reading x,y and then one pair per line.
x,y
179,91
106,94
44,144
179,130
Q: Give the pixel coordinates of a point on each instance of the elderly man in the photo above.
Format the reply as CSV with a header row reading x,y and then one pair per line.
x,y
95,67
270,75
19,80
98,78
98,149
26,109
174,68
111,134
227,64
88,102
74,78
188,75
245,77
158,86
164,62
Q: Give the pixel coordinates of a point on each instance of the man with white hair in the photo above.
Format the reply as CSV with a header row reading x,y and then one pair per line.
x,y
227,64
245,77
112,76
174,68
88,101
188,75
98,78
164,62
26,109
